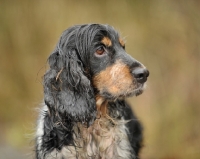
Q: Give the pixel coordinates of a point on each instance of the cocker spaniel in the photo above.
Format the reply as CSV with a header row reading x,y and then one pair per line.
x,y
85,114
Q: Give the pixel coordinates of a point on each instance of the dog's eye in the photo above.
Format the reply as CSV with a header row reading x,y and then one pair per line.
x,y
100,50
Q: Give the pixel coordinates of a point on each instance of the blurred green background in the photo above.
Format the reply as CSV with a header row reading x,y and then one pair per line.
x,y
162,34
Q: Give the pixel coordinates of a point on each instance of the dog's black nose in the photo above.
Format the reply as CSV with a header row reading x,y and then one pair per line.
x,y
141,74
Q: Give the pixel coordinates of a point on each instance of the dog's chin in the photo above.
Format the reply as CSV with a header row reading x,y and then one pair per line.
x,y
134,92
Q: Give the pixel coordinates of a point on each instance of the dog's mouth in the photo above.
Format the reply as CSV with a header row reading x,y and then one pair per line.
x,y
136,91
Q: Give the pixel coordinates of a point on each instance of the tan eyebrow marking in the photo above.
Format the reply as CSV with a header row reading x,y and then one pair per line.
x,y
121,42
106,41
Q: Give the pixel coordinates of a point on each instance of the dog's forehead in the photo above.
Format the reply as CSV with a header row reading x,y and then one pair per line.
x,y
107,41
109,36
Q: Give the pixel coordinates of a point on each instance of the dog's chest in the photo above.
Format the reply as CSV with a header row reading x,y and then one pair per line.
x,y
105,139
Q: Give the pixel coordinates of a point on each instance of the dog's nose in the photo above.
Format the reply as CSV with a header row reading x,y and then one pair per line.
x,y
140,74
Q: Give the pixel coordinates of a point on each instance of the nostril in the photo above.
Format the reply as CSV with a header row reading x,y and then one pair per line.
x,y
140,74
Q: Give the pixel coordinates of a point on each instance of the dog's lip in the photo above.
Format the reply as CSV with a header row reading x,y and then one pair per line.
x,y
136,92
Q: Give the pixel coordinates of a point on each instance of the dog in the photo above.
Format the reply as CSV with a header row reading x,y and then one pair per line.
x,y
85,114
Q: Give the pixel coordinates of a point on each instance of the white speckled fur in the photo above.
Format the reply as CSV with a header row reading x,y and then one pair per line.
x,y
105,139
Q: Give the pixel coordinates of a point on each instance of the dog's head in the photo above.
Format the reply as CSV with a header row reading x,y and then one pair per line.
x,y
89,60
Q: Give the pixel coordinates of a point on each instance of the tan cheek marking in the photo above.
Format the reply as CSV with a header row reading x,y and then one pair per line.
x,y
116,79
106,41
121,42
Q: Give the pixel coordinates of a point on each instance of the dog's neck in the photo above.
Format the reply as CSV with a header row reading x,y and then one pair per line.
x,y
105,138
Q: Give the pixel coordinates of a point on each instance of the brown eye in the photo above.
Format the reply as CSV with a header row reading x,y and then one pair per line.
x,y
100,50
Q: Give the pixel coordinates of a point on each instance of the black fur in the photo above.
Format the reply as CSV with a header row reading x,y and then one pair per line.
x,y
69,93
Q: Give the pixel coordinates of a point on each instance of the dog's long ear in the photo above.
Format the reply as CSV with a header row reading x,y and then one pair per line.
x,y
67,88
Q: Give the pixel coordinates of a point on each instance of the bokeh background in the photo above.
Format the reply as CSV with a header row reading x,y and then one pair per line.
x,y
162,34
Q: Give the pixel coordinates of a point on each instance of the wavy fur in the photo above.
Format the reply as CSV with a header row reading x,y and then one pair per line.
x,y
85,115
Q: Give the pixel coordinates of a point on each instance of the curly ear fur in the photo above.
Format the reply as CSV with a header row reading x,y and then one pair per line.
x,y
67,87
70,100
